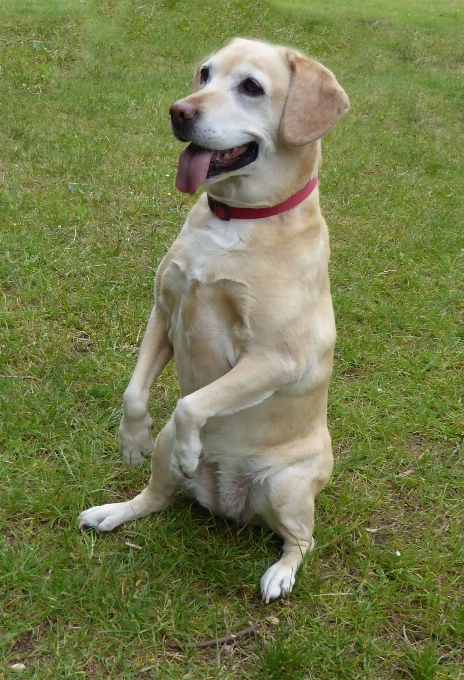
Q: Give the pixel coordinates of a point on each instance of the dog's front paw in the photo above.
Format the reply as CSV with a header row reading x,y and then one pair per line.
x,y
187,448
185,460
277,582
135,440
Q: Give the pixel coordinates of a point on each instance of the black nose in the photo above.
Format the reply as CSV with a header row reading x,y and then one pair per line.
x,y
181,112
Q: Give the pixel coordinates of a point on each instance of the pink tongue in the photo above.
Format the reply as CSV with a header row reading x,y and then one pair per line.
x,y
193,168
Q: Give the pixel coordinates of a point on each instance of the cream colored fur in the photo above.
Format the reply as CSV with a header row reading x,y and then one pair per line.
x,y
245,309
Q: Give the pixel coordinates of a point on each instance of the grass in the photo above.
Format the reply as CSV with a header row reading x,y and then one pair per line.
x,y
88,209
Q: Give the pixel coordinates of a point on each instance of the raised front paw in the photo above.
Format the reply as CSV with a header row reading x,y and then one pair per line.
x,y
135,440
184,460
187,448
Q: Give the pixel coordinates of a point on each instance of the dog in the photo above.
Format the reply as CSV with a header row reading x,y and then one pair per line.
x,y
243,304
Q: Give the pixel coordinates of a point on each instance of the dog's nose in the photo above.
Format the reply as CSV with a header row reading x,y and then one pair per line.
x,y
181,112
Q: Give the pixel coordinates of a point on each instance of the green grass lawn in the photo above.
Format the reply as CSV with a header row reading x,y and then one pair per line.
x,y
88,208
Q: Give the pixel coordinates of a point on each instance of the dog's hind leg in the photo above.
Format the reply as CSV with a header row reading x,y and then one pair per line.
x,y
156,496
290,513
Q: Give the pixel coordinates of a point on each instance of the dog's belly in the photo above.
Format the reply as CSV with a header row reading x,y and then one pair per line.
x,y
228,493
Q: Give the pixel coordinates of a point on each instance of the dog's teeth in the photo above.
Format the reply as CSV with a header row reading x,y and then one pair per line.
x,y
230,153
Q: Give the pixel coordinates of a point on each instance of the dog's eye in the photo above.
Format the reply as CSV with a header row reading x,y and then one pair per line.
x,y
252,87
204,74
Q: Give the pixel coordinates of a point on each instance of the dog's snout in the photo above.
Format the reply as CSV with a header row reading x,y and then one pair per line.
x,y
181,112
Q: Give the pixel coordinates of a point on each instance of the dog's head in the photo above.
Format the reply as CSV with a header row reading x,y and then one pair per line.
x,y
251,103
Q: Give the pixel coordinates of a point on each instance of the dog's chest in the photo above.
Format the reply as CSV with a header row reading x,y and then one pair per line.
x,y
201,298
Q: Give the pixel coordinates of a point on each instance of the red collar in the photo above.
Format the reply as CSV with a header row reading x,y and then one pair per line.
x,y
226,212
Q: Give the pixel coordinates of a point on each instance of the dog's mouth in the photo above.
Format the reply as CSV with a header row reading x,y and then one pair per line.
x,y
197,164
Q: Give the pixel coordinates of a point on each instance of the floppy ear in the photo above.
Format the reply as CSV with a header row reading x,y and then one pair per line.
x,y
315,102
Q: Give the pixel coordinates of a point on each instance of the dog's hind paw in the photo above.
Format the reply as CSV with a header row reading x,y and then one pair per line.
x,y
106,517
277,582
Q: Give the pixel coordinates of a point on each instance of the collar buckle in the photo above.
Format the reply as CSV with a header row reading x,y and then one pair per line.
x,y
221,210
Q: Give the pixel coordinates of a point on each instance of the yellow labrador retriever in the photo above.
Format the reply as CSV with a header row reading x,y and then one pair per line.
x,y
243,304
